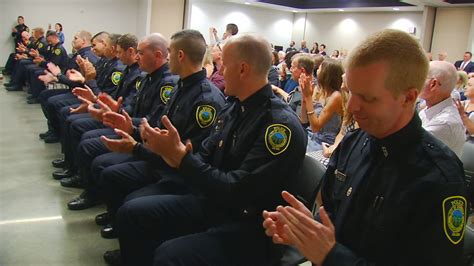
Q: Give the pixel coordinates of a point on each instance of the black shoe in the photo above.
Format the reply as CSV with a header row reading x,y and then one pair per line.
x,y
13,88
73,181
58,163
30,97
51,139
82,202
60,174
113,257
9,84
108,232
102,219
44,134
33,100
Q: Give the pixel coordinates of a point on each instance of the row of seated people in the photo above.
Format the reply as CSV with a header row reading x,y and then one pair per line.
x,y
186,172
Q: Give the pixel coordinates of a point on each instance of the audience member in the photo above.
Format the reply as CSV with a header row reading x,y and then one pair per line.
x,y
322,109
440,116
466,64
466,110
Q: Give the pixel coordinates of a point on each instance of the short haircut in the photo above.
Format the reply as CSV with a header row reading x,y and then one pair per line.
x,y
101,36
305,61
470,54
128,40
113,38
232,28
408,65
20,17
323,45
254,50
85,35
318,60
192,43
39,30
51,33
289,57
330,76
445,73
157,42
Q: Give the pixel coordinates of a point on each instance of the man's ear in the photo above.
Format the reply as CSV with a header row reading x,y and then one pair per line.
x,y
411,96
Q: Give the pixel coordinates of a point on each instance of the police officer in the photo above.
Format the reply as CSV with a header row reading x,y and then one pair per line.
x,y
106,80
392,194
152,96
80,121
192,109
251,153
18,29
82,45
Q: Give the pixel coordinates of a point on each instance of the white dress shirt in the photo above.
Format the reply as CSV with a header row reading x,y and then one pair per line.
x,y
444,122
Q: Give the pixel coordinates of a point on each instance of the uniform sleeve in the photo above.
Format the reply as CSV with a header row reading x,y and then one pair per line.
x,y
203,116
259,169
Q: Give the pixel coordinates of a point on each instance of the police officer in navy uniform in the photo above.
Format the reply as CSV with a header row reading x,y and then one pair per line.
x,y
18,29
153,94
81,121
82,45
392,194
192,109
251,153
106,80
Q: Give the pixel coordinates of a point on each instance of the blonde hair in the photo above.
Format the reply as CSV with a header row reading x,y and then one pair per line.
x,y
462,75
408,65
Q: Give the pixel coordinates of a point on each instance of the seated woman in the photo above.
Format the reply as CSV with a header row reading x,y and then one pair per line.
x,y
466,110
348,125
323,111
458,91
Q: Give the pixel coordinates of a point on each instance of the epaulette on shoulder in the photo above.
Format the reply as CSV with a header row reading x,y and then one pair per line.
x,y
443,157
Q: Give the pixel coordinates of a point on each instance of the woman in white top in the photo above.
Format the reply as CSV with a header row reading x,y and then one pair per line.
x,y
466,109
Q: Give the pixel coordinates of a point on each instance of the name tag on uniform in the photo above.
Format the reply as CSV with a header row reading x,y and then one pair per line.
x,y
340,176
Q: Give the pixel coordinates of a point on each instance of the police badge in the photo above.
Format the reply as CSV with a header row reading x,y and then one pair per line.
x,y
165,93
116,77
277,138
454,218
205,115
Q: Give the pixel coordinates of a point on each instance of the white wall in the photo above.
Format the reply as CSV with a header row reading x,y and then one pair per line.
x,y
451,32
346,30
116,16
275,26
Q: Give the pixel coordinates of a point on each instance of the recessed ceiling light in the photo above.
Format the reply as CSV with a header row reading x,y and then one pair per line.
x,y
295,11
342,10
396,8
247,3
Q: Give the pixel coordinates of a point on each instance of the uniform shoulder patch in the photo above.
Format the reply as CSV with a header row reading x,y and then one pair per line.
x,y
137,84
57,51
40,45
454,218
116,77
205,115
165,93
277,138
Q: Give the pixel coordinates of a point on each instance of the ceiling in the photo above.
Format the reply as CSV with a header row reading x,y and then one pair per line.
x,y
353,5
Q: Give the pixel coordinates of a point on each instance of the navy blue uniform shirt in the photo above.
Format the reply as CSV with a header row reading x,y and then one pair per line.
x,y
399,200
